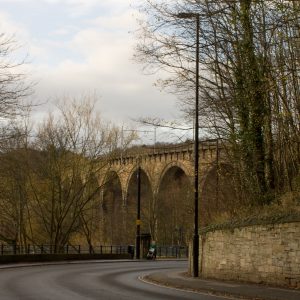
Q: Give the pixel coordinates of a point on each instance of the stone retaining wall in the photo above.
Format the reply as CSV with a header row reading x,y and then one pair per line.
x,y
261,254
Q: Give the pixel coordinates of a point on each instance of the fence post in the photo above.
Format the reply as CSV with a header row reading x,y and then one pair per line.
x,y
111,249
67,248
2,249
28,249
79,249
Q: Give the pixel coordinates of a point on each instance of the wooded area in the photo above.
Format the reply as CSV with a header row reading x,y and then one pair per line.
x,y
49,189
249,100
249,82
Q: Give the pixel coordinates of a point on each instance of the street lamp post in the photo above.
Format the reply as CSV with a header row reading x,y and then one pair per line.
x,y
196,146
138,218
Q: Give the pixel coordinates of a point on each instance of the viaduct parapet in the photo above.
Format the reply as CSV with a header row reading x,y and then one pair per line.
x,y
157,162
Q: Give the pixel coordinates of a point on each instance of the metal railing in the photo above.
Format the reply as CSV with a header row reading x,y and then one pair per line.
x,y
67,249
172,252
161,251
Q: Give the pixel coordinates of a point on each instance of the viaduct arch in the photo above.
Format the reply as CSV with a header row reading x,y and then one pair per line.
x,y
157,165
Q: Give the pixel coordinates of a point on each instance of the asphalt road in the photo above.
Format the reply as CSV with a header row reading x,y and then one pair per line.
x,y
97,280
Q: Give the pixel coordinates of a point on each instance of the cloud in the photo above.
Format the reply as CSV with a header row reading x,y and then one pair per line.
x,y
60,31
10,26
121,21
26,42
107,71
80,55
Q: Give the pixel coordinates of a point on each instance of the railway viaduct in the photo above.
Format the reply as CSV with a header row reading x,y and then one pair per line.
x,y
157,163
167,175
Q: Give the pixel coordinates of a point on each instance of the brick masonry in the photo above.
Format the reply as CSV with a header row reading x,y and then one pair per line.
x,y
262,254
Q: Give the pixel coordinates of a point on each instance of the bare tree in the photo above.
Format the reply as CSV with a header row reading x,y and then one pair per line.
x,y
14,88
72,148
249,81
15,216
13,79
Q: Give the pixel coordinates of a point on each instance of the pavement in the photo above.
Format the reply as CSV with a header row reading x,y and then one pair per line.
x,y
231,290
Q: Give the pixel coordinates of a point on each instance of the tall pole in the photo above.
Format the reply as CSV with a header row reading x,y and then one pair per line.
x,y
186,15
138,218
196,159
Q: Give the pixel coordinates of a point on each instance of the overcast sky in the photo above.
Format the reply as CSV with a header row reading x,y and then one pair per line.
x,y
78,47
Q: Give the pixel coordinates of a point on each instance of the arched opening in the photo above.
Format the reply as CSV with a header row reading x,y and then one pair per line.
x,y
218,197
147,207
89,232
175,208
112,211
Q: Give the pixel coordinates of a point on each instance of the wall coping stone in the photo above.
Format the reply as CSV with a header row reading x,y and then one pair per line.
x,y
281,218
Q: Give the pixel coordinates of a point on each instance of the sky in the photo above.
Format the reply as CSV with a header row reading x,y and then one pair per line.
x,y
80,47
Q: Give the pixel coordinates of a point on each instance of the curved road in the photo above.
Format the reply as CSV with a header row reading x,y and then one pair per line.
x,y
111,280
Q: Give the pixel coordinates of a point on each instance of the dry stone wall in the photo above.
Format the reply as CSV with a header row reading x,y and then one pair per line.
x,y
261,254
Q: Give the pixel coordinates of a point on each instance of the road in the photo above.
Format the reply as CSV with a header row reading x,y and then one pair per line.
x,y
98,280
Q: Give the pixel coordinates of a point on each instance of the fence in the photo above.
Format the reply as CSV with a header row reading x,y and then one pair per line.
x,y
162,251
67,249
172,252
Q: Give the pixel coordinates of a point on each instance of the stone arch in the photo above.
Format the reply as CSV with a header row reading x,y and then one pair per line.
x,y
105,175
131,204
217,194
108,174
132,172
186,169
112,209
175,195
92,209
